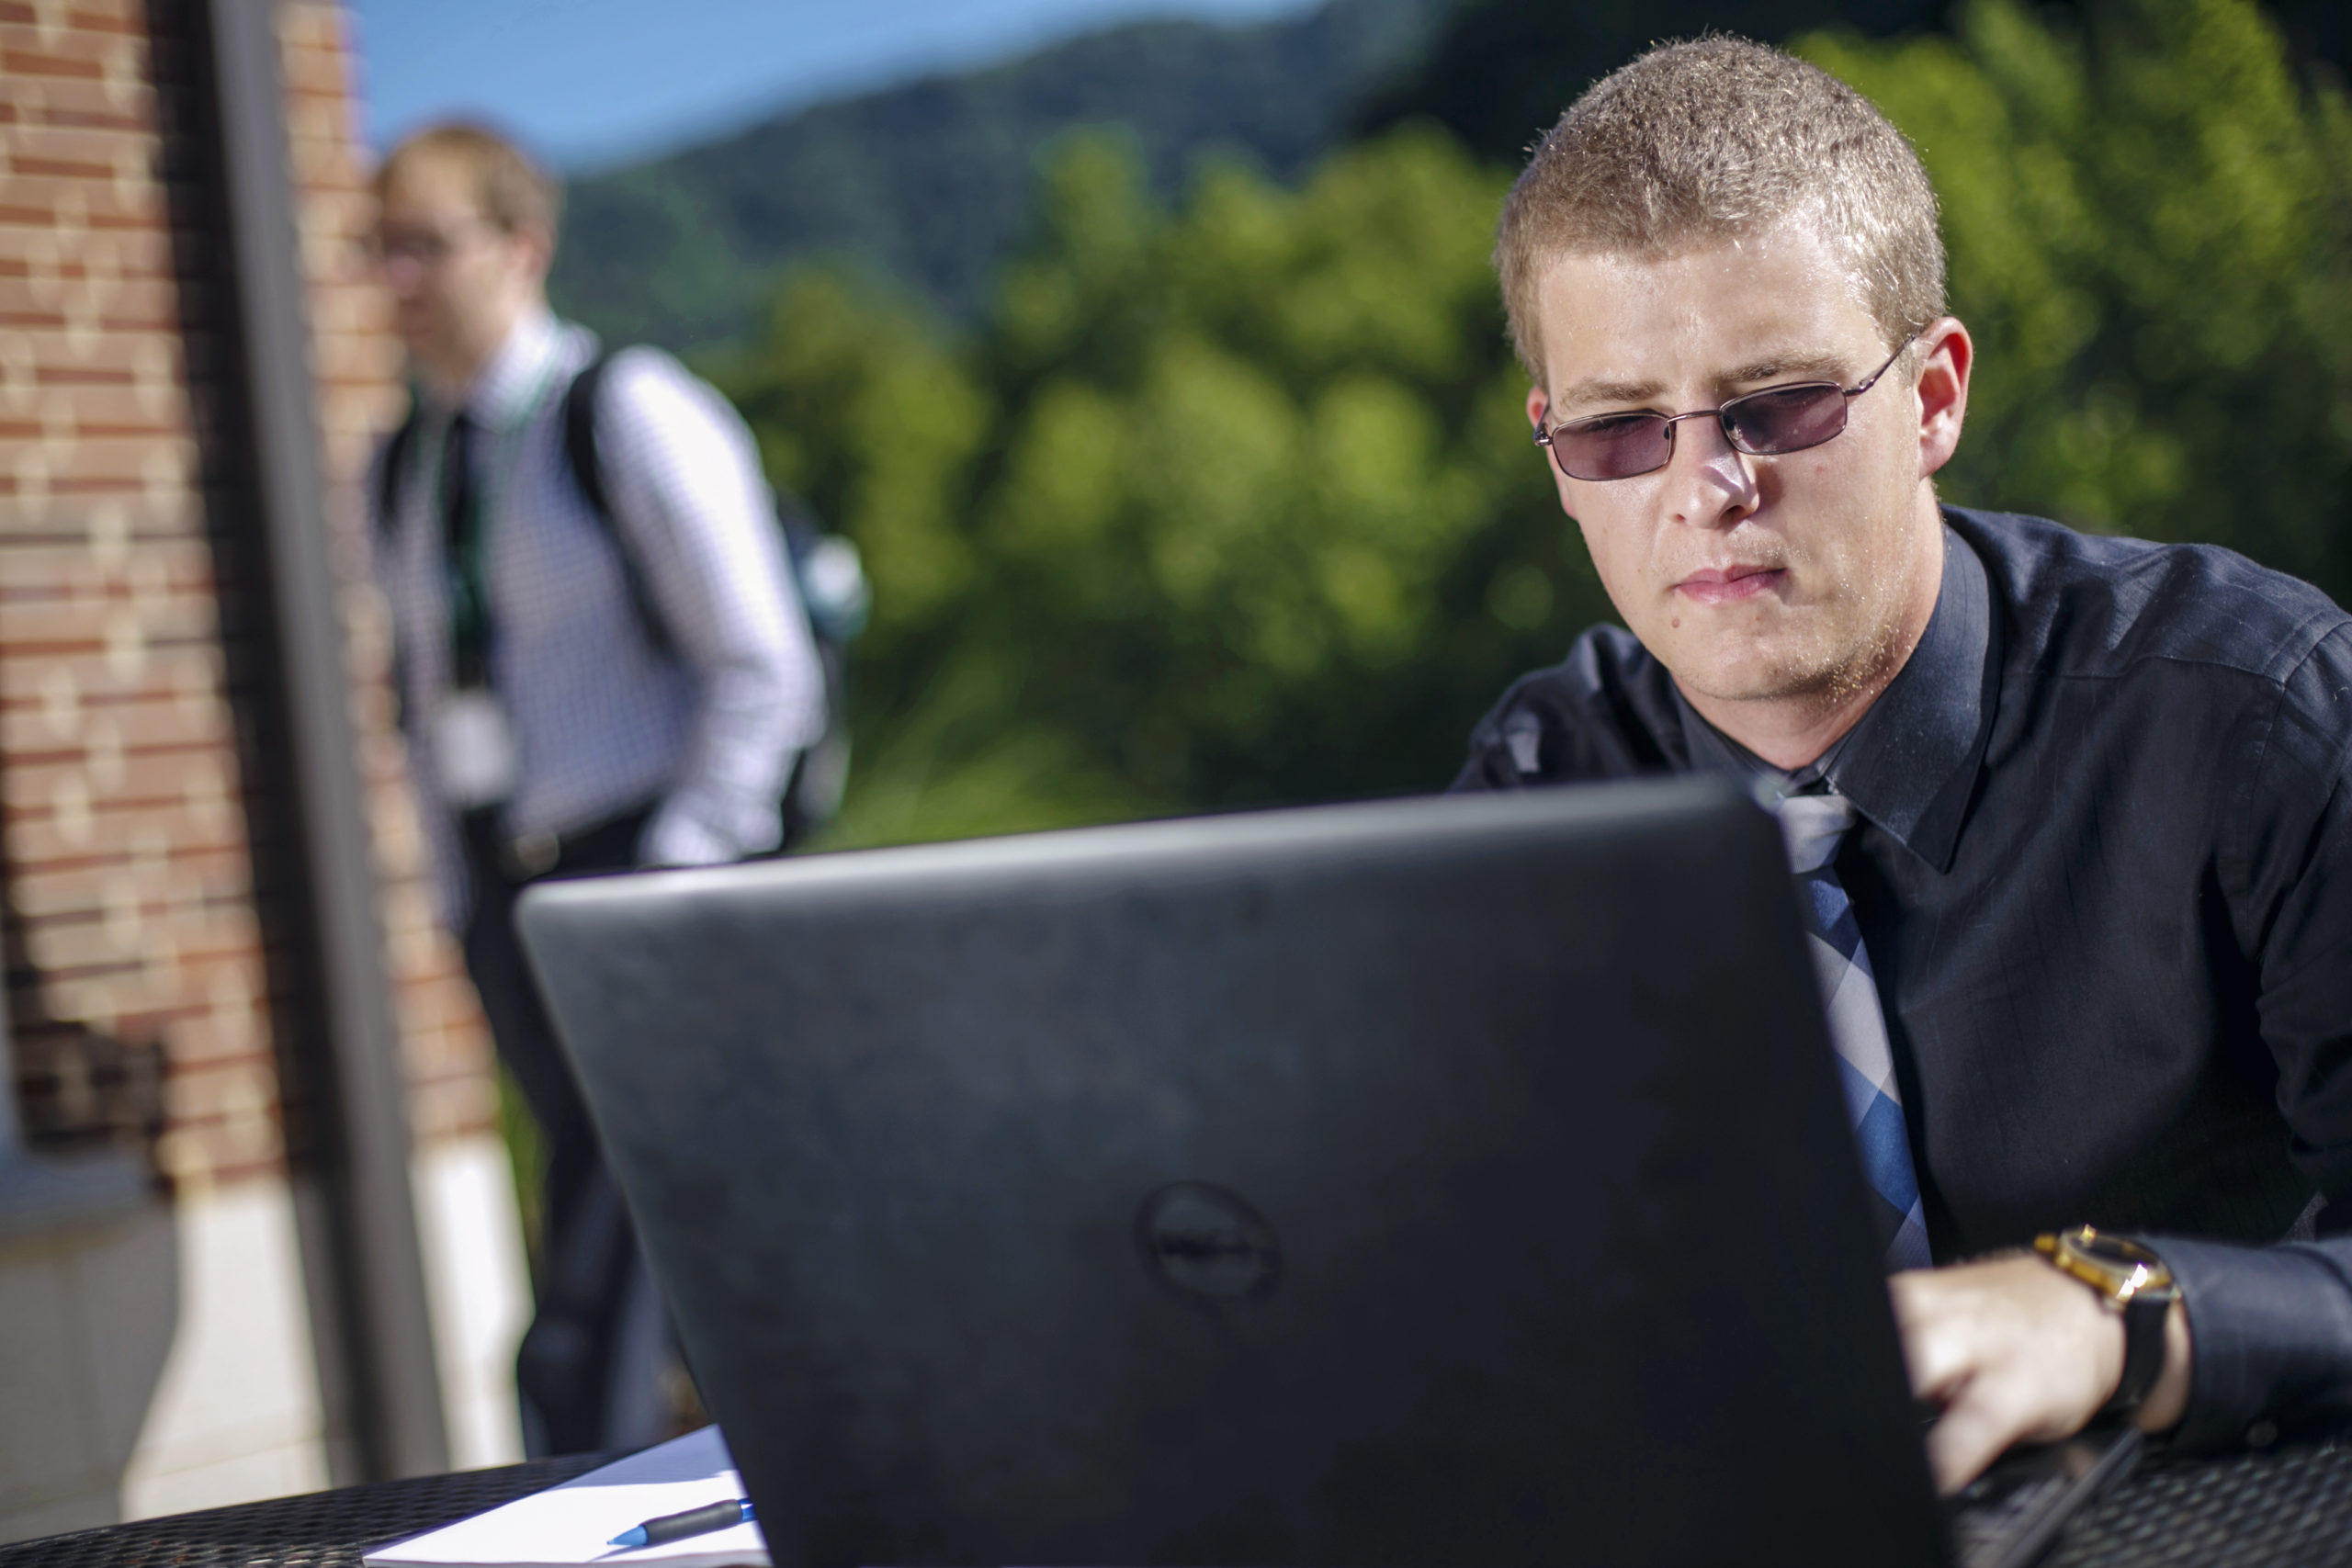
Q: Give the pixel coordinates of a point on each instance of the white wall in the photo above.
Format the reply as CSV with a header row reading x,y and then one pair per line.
x,y
476,1279
236,1415
165,1363
86,1317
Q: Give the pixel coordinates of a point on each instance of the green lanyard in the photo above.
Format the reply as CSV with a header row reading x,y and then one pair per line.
x,y
464,535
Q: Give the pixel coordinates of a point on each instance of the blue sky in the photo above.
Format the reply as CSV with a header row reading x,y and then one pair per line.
x,y
592,82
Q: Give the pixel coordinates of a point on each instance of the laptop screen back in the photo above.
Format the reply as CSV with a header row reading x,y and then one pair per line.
x,y
1452,1182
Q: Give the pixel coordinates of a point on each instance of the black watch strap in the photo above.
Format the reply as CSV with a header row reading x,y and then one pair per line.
x,y
2144,1351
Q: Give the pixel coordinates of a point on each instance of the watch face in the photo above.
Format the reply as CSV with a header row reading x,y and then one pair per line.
x,y
2111,1250
2127,1262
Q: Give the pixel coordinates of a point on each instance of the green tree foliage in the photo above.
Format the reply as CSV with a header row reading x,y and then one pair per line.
x,y
2150,225
1224,506
1234,504
1499,71
927,183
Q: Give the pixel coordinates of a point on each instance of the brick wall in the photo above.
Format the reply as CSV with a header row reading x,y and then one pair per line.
x,y
356,362
145,848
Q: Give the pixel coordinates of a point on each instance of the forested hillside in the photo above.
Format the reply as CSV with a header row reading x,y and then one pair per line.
x,y
1497,71
928,184
1186,486
1230,500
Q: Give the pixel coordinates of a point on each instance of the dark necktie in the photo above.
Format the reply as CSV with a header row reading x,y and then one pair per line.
x,y
461,539
1812,826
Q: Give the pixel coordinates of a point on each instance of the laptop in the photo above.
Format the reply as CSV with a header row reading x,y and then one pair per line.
x,y
1458,1181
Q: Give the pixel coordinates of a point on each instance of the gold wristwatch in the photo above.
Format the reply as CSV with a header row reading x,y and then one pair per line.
x,y
2131,1281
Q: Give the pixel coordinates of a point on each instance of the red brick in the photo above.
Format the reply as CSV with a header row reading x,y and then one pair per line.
x,y
85,16
70,520
108,16
179,880
119,357
149,779
134,726
166,671
85,610
78,569
72,48
109,304
92,152
149,822
147,575
99,204
86,460
98,410
63,948
444,1002
43,835
146,254
218,1088
73,101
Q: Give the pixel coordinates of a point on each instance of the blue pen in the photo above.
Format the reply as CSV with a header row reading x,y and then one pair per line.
x,y
693,1521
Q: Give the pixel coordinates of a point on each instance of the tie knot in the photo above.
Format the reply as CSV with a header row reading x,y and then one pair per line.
x,y
1810,825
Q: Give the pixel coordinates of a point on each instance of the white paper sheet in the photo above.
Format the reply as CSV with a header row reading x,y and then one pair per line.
x,y
569,1526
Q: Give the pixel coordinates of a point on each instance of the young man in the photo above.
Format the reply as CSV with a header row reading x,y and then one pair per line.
x,y
581,692
2073,815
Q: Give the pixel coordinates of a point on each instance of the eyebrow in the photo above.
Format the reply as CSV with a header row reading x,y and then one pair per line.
x,y
1791,366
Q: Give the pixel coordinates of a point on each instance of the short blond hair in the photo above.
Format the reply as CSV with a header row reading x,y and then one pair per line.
x,y
1714,139
512,190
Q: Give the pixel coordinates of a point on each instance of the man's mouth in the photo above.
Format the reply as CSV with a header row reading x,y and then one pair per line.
x,y
1728,584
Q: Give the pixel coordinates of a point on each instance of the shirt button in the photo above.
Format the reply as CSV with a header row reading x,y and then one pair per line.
x,y
2262,1434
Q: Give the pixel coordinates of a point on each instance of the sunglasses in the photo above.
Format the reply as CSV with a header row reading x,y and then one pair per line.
x,y
1763,425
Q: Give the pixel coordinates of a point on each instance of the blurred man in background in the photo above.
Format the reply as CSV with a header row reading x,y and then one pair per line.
x,y
601,665
2071,816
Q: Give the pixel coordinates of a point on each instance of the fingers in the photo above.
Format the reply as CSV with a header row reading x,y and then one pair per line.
x,y
2011,1349
1937,1349
1973,1430
1945,1346
1992,1409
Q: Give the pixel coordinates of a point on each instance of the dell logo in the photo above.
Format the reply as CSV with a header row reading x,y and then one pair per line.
x,y
1208,1244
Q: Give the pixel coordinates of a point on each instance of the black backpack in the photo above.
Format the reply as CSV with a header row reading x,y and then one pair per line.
x,y
825,569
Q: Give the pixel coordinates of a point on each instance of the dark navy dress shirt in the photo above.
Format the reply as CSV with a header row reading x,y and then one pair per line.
x,y
2104,871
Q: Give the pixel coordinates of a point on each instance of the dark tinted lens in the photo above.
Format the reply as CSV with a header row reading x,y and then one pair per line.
x,y
1614,446
1786,419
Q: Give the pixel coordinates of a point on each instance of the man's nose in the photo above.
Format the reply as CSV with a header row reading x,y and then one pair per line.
x,y
1707,478
402,274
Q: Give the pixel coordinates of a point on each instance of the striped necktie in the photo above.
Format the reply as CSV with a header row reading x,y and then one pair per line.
x,y
1812,826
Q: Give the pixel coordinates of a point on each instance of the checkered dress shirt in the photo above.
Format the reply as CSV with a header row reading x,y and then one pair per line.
x,y
605,721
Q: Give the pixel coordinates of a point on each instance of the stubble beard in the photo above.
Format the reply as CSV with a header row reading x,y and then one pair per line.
x,y
1826,669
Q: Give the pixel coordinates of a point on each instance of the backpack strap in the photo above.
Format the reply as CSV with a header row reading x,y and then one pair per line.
x,y
580,454
586,465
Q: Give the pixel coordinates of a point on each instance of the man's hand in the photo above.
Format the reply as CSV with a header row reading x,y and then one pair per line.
x,y
2014,1351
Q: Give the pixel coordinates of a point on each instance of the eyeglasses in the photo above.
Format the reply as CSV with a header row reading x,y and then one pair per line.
x,y
1762,424
422,246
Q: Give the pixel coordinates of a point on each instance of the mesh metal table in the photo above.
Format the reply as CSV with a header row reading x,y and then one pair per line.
x,y
321,1530
2290,1505
2286,1505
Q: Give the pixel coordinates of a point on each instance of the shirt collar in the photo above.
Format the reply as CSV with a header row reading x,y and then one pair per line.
x,y
506,387
1910,764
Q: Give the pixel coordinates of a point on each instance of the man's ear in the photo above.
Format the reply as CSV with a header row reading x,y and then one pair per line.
x,y
1946,355
535,247
1539,406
